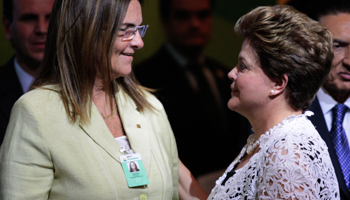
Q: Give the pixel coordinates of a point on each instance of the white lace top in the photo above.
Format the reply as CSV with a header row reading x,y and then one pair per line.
x,y
293,163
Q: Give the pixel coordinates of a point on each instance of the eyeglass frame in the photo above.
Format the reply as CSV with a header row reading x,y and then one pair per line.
x,y
136,28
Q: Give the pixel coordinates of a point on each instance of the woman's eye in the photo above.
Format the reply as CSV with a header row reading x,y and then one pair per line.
x,y
242,66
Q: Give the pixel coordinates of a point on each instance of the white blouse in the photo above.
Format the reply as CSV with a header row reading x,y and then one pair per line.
x,y
293,163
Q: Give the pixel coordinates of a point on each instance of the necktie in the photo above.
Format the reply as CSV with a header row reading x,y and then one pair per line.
x,y
340,141
203,88
208,109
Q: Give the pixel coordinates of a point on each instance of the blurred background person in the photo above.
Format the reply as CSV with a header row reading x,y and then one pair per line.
x,y
25,23
65,137
194,88
284,60
332,103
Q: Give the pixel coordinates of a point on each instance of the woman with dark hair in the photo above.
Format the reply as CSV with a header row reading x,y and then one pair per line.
x,y
67,137
133,167
284,60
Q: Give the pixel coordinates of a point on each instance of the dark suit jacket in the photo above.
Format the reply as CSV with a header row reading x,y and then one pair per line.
x,y
320,123
206,142
10,91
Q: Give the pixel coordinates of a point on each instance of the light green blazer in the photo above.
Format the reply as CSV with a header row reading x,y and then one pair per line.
x,y
44,156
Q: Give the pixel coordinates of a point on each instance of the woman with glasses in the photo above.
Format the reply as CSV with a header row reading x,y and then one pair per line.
x,y
73,135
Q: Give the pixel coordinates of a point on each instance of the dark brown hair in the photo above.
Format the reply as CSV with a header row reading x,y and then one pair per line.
x,y
288,42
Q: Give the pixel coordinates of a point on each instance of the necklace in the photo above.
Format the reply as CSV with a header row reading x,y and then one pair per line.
x,y
251,146
253,143
111,115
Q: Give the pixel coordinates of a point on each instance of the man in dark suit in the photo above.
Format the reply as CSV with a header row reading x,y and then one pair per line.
x,y
335,16
194,89
25,23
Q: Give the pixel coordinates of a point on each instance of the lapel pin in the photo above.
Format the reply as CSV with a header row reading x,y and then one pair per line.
x,y
138,125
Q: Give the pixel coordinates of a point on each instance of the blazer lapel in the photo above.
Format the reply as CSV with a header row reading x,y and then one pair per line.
x,y
136,127
99,132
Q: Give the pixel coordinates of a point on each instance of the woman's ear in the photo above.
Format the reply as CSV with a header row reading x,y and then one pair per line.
x,y
280,85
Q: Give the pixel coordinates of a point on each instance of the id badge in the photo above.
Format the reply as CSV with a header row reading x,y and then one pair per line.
x,y
134,170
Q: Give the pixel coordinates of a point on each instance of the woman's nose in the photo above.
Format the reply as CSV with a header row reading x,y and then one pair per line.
x,y
232,75
137,41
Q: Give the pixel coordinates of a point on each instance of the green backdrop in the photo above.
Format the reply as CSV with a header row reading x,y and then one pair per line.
x,y
224,45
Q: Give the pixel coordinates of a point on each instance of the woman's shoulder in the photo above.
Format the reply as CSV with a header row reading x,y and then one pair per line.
x,y
298,140
295,134
294,128
40,105
302,131
40,96
152,99
123,98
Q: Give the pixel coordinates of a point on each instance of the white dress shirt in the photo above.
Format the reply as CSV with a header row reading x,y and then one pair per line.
x,y
327,103
25,79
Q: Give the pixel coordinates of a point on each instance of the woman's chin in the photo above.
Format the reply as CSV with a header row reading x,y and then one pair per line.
x,y
232,104
123,74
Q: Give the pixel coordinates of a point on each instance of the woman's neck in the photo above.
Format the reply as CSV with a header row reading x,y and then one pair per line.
x,y
268,117
101,99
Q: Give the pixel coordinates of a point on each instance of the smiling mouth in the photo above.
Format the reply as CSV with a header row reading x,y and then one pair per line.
x,y
126,54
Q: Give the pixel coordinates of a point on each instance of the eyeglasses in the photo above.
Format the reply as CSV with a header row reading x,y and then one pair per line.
x,y
130,32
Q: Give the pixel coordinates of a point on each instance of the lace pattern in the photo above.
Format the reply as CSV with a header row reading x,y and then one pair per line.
x,y
293,163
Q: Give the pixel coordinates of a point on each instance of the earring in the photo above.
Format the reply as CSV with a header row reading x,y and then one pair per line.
x,y
272,91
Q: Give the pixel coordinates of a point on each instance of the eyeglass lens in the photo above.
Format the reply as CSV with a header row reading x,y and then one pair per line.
x,y
130,32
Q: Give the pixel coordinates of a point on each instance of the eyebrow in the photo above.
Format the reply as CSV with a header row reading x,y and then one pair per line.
x,y
31,16
28,16
130,24
339,41
241,58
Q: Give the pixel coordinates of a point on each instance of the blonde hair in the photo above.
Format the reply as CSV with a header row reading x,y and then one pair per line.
x,y
78,48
